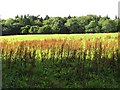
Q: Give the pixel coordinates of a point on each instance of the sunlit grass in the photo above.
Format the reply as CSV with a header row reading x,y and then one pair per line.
x,y
58,36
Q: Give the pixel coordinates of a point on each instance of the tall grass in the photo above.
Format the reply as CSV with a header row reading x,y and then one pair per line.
x,y
77,60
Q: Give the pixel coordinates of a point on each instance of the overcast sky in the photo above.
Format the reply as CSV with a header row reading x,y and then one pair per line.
x,y
10,8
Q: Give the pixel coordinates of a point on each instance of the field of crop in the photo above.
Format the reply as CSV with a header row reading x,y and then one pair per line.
x,y
57,36
61,61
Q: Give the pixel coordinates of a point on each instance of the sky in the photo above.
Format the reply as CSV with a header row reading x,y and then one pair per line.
x,y
62,8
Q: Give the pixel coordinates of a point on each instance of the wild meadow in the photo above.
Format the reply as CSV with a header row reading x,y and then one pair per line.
x,y
61,63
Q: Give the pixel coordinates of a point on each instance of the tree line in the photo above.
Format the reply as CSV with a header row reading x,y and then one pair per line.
x,y
30,24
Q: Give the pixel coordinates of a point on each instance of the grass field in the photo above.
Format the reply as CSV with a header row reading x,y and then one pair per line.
x,y
57,36
52,61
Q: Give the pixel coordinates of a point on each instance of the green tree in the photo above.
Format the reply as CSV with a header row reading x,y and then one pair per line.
x,y
33,29
46,29
73,25
25,29
9,22
46,17
109,26
38,22
58,25
92,27
34,24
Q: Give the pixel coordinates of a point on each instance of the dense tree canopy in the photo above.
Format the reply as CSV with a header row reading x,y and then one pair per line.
x,y
26,24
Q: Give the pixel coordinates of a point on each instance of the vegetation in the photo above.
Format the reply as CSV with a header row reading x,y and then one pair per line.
x,y
29,24
62,63
13,38
67,59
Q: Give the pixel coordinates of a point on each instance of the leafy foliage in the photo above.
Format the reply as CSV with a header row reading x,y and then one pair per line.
x,y
58,25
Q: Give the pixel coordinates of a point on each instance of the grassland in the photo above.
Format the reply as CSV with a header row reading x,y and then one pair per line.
x,y
57,36
52,61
